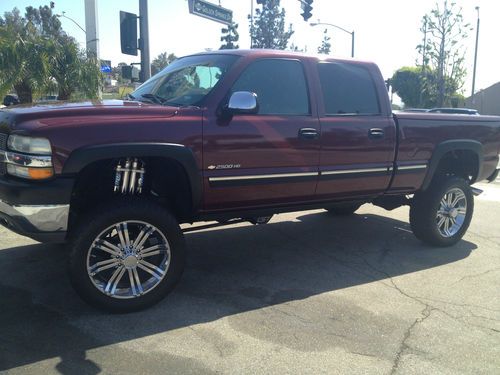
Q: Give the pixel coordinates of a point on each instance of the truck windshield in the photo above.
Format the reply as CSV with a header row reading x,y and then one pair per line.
x,y
186,81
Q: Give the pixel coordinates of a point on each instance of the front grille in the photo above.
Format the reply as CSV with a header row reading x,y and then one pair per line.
x,y
3,141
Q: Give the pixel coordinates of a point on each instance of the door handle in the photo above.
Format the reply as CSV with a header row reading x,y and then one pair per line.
x,y
308,133
376,133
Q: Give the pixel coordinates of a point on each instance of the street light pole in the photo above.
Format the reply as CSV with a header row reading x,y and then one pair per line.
x,y
352,44
340,28
144,40
475,58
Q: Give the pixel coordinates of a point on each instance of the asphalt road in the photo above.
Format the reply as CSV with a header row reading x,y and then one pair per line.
x,y
305,294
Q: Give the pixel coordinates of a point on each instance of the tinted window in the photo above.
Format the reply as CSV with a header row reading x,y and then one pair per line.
x,y
280,86
347,89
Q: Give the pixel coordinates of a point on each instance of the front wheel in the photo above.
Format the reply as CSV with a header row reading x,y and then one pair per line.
x,y
126,256
441,215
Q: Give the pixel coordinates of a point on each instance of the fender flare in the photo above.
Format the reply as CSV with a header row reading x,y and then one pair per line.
x,y
453,145
82,157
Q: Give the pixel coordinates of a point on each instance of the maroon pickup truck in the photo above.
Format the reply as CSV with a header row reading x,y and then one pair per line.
x,y
221,136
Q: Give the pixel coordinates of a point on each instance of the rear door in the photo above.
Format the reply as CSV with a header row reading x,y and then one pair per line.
x,y
358,135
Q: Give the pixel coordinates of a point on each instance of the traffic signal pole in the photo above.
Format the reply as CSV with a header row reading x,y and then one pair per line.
x,y
144,41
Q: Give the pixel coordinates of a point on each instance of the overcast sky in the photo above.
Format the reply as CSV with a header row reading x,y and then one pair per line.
x,y
387,31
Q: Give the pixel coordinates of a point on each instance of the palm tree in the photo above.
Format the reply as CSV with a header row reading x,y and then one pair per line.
x,y
37,55
25,57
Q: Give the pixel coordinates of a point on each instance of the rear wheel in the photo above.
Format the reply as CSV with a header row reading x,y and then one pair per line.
x,y
127,256
441,215
343,209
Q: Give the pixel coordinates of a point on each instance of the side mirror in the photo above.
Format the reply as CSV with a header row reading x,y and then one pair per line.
x,y
243,102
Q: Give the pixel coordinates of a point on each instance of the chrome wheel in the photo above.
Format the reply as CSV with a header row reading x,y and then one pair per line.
x,y
128,259
452,212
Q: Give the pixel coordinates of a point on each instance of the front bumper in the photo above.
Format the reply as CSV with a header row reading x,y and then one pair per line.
x,y
36,210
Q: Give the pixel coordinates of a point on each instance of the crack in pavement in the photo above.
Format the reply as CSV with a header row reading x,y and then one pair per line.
x,y
477,275
428,308
425,313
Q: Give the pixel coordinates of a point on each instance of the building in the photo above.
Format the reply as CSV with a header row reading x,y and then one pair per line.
x,y
486,101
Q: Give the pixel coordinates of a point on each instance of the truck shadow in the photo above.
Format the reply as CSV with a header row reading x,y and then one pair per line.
x,y
230,270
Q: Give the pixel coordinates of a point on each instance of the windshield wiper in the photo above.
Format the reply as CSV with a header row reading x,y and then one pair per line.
x,y
154,98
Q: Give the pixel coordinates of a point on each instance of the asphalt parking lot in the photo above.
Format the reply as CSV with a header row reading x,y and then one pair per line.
x,y
306,294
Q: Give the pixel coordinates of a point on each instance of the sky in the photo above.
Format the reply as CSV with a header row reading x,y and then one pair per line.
x,y
386,31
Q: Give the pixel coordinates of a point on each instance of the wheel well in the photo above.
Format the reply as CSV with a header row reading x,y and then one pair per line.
x,y
462,163
165,182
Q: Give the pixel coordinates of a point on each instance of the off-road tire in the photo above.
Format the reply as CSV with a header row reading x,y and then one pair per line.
x,y
424,210
93,224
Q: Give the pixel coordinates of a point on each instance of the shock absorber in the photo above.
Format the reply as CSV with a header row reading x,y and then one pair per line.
x,y
129,176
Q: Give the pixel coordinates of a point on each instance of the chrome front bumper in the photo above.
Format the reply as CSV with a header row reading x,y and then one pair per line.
x,y
40,222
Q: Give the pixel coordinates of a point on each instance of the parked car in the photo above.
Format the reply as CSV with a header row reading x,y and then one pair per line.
x,y
461,111
10,99
223,135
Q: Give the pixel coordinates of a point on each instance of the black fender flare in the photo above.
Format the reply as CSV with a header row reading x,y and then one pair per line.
x,y
82,157
453,145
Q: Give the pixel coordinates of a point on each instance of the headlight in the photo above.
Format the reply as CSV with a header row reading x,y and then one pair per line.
x,y
28,157
29,145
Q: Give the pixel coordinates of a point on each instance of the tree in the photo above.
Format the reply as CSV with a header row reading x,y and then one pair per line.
x,y
415,86
161,61
24,55
268,28
408,84
230,36
39,56
326,46
445,30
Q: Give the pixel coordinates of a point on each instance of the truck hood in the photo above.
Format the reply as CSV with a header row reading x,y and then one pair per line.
x,y
30,117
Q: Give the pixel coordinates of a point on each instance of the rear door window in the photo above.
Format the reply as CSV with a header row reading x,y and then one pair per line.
x,y
347,90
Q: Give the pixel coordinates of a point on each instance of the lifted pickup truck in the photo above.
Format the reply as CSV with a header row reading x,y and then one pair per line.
x,y
224,135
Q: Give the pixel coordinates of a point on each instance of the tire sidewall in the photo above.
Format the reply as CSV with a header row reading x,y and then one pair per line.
x,y
94,223
428,204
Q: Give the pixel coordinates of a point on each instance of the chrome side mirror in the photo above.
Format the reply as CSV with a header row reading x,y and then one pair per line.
x,y
243,102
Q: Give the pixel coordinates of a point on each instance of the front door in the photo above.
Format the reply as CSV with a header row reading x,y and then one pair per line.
x,y
264,158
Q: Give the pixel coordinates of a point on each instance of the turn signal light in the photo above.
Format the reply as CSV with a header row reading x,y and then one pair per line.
x,y
40,173
29,172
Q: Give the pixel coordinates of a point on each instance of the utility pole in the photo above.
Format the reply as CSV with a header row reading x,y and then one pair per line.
x,y
144,40
251,25
424,51
475,59
91,29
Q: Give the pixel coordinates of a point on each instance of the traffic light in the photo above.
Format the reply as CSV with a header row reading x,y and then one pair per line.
x,y
307,8
128,33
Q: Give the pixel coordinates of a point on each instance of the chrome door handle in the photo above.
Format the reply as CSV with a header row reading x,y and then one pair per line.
x,y
376,133
308,133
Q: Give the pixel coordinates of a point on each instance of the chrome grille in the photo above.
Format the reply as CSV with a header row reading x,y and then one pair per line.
x,y
3,141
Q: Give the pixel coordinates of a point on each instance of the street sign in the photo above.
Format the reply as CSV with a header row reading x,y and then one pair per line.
x,y
211,11
106,66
